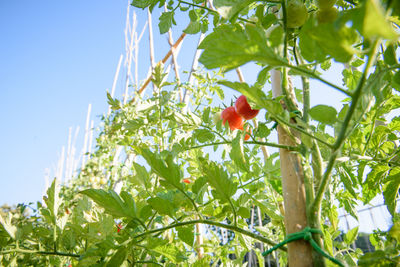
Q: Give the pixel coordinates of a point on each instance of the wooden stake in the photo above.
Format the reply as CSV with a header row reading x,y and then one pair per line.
x,y
299,252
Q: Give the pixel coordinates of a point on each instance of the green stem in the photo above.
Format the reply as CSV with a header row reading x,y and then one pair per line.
x,y
316,206
303,131
209,222
199,6
315,76
55,253
291,148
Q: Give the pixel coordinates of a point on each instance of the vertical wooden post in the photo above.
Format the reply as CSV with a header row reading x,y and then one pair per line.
x,y
299,252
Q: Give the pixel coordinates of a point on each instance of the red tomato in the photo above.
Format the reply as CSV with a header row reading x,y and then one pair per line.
x,y
235,121
119,227
186,181
243,108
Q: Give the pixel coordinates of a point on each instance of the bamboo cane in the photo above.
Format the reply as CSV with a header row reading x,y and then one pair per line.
x,y
299,252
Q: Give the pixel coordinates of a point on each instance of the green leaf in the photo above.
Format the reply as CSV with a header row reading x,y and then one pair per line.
x,y
371,21
112,203
193,27
390,55
203,135
230,8
351,236
118,258
230,46
391,192
219,180
166,20
53,200
255,95
162,206
165,168
114,103
377,258
237,153
186,234
309,47
143,3
8,226
171,252
141,177
324,114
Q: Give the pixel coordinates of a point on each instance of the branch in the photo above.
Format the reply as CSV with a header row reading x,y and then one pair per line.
x,y
291,148
209,222
343,132
25,251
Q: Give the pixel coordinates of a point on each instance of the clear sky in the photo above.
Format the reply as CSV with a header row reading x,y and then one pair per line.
x,y
56,57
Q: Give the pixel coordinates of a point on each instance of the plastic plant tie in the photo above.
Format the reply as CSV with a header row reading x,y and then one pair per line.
x,y
305,234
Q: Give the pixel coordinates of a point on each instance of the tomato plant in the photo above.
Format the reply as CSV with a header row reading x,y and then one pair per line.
x,y
330,154
243,108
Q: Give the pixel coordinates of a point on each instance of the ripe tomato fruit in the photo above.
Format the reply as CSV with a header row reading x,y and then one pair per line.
x,y
187,181
297,14
235,121
243,108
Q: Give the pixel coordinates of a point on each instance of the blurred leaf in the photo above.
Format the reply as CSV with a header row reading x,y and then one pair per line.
x,y
171,252
118,258
351,236
391,191
8,226
166,20
230,8
186,234
53,200
237,153
324,114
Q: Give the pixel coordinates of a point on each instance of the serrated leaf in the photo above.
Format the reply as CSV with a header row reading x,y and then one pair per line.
x,y
351,236
324,114
230,46
165,22
219,180
143,3
165,168
112,203
53,200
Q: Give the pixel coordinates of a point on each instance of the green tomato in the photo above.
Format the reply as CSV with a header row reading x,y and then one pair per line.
x,y
327,15
325,4
296,14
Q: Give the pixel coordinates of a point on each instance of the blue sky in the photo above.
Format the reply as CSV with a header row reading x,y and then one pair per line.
x,y
56,57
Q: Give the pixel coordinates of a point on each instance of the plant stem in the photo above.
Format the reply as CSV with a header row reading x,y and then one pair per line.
x,y
316,206
209,222
291,148
315,76
25,251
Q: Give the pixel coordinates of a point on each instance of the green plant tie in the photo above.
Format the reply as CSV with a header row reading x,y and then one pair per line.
x,y
305,234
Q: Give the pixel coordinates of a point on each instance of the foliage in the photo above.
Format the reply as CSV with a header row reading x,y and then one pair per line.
x,y
147,148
